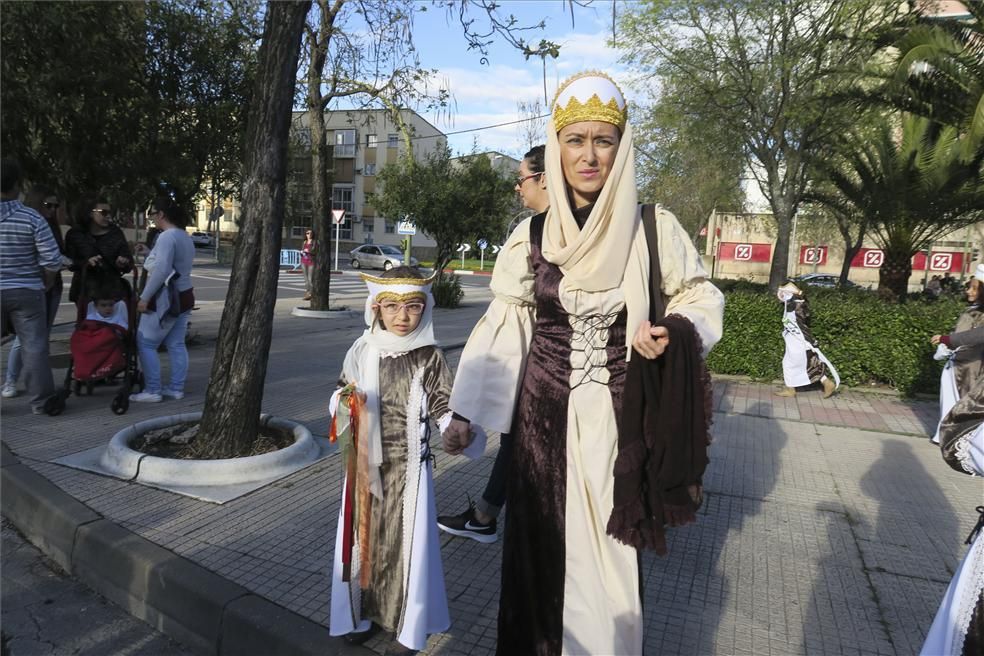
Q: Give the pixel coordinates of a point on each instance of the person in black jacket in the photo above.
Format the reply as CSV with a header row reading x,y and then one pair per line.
x,y
97,246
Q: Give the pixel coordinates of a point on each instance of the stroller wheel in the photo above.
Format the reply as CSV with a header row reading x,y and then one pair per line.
x,y
55,405
120,404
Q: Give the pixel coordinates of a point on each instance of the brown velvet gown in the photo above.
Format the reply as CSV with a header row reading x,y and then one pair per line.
x,y
531,613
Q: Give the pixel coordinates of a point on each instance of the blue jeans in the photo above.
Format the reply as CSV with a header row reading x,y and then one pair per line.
x,y
27,311
53,300
171,333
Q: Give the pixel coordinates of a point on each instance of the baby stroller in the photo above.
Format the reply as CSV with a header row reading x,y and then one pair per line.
x,y
100,351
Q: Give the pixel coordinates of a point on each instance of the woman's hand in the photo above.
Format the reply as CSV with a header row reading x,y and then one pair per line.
x,y
142,306
122,262
457,436
650,341
95,260
935,339
140,249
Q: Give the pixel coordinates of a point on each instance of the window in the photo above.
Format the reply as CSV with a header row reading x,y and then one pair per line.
x,y
368,226
371,141
369,169
297,232
303,136
392,140
344,143
390,227
341,198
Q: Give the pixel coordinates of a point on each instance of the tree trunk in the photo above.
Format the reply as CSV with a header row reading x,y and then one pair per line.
x,y
230,418
894,273
780,258
322,225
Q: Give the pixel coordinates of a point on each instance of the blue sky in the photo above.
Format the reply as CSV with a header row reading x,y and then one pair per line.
x,y
488,94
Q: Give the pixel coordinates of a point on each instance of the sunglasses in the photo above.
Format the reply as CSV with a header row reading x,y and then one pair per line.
x,y
52,206
103,212
520,180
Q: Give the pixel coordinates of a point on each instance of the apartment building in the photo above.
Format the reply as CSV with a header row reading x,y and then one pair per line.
x,y
364,142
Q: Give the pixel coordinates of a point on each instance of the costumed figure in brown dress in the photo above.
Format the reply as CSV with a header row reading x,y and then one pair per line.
x,y
548,363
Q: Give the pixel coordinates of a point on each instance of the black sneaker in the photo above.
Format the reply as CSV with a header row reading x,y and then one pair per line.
x,y
465,525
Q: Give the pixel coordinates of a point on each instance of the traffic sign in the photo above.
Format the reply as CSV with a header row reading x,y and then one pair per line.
x,y
338,216
464,248
496,249
406,227
483,244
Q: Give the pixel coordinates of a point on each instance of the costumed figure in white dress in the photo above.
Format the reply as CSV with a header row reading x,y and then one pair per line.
x,y
803,363
963,353
387,563
548,363
958,628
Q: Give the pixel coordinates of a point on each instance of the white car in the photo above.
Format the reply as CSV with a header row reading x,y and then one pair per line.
x,y
378,256
202,239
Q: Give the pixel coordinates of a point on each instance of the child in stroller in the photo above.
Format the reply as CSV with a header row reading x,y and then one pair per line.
x,y
104,342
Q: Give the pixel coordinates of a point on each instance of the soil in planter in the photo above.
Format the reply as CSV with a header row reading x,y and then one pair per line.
x,y
181,442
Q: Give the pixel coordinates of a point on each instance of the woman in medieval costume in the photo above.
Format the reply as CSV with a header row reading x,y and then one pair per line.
x,y
958,628
547,362
387,563
964,358
803,363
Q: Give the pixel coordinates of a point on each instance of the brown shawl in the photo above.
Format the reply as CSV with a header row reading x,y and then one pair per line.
x,y
664,431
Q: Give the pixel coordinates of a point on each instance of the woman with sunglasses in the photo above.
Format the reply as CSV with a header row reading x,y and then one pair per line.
x,y
96,246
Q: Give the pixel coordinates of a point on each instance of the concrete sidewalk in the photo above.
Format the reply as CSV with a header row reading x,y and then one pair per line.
x,y
830,526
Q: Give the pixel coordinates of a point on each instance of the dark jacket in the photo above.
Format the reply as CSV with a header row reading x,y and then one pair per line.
x,y
81,245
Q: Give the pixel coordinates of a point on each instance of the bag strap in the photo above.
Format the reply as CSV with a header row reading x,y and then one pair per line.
x,y
657,302
536,229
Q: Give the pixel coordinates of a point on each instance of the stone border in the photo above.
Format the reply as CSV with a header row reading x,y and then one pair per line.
x,y
324,314
196,607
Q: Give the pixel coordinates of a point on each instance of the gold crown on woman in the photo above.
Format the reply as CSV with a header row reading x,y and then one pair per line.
x,y
589,96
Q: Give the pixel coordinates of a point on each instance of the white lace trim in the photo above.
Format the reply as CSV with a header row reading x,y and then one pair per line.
x,y
416,450
963,455
970,593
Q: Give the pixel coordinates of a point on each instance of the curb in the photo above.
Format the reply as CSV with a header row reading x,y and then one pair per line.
x,y
196,607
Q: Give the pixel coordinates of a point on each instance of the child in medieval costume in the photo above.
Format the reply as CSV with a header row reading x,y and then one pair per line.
x,y
387,562
803,363
964,355
958,629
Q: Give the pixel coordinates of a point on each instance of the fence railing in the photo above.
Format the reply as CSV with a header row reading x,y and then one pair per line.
x,y
290,258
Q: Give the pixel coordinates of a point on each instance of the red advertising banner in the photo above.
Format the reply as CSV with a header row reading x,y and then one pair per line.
x,y
813,255
939,262
740,252
869,258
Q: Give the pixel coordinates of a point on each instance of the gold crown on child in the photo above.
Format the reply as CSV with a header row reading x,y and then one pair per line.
x,y
589,96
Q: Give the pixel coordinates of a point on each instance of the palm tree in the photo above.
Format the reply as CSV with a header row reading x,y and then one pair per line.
x,y
909,183
935,68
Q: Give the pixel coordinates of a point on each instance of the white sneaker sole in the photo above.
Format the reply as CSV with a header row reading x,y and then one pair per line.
x,y
478,537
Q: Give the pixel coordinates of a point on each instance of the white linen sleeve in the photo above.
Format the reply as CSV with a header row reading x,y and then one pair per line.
x,y
489,373
690,293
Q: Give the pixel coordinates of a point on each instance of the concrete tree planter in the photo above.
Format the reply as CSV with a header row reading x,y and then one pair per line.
x,y
218,480
341,312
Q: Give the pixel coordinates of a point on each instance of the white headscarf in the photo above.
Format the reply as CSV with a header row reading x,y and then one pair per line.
x,y
610,250
377,342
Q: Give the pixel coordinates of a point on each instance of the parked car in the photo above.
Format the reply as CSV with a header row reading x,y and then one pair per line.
x,y
823,280
202,239
378,256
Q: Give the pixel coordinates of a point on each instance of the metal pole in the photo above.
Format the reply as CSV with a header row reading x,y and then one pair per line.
x,y
338,229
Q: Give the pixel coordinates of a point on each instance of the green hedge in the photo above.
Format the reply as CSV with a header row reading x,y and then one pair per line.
x,y
870,341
